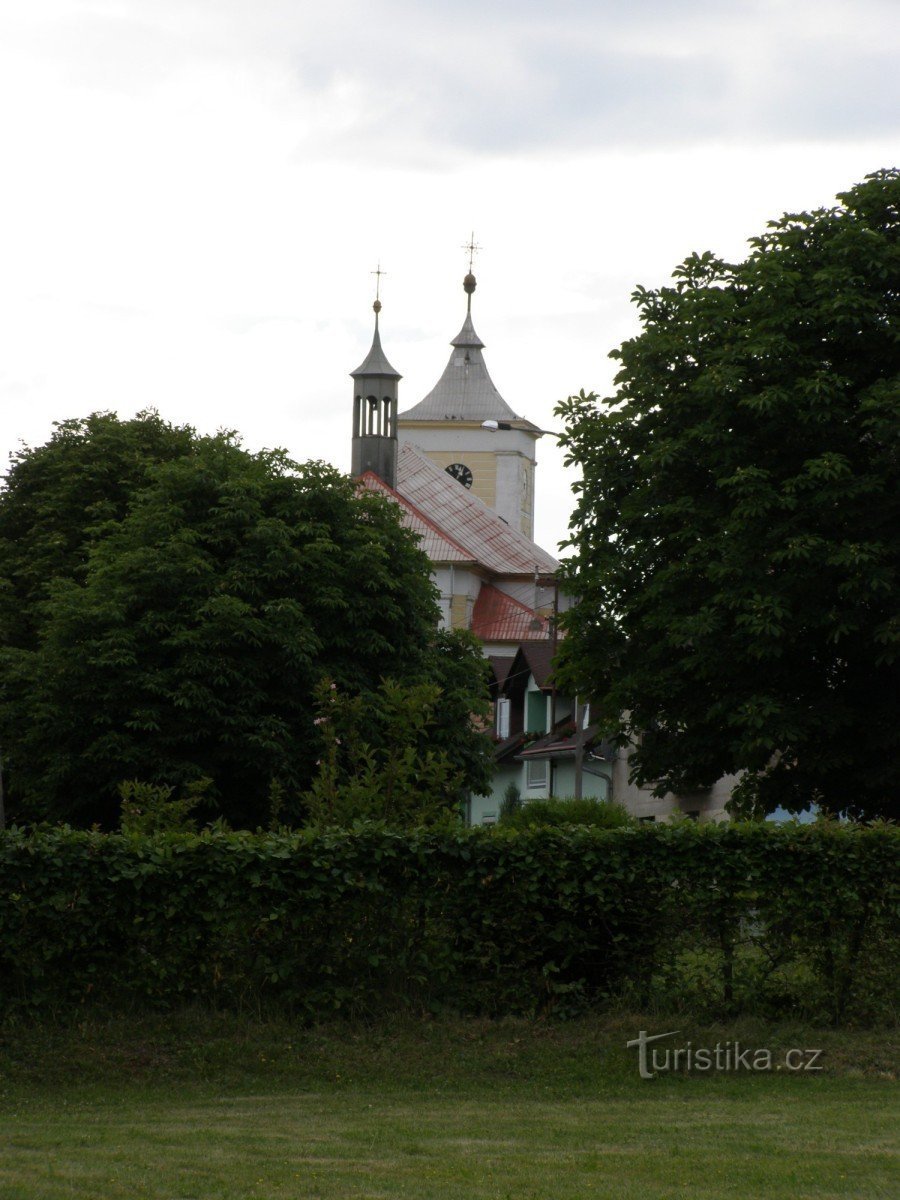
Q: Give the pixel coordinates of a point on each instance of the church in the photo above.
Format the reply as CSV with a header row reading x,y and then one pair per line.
x,y
461,465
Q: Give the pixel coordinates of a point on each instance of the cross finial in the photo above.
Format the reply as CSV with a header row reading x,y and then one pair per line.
x,y
378,274
377,305
472,249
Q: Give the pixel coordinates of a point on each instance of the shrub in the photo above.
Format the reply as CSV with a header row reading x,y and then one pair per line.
x,y
776,921
511,802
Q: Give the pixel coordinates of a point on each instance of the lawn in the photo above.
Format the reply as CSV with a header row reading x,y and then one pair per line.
x,y
215,1108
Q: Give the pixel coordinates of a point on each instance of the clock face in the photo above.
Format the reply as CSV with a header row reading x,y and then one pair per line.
x,y
460,472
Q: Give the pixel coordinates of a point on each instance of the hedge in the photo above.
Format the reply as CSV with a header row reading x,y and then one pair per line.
x,y
774,920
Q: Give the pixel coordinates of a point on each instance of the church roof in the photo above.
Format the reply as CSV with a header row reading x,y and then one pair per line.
x,y
439,548
375,362
455,526
466,520
465,391
497,617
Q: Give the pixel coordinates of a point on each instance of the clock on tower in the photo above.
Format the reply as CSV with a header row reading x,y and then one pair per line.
x,y
460,472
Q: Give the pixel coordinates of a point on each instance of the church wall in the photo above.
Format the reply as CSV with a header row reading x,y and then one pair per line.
x,y
464,436
480,463
457,590
515,491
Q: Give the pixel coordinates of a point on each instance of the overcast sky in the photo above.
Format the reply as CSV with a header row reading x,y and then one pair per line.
x,y
195,192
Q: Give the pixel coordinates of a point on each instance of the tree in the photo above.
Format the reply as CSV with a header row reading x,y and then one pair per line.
x,y
736,531
377,761
60,498
179,632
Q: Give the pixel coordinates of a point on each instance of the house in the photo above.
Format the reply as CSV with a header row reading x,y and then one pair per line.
x,y
538,751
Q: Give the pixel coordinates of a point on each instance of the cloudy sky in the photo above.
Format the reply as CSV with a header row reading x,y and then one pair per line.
x,y
195,192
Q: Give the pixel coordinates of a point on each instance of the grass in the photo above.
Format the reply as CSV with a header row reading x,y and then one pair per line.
x,y
218,1108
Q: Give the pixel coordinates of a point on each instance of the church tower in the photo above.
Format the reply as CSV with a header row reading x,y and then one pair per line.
x,y
448,426
375,412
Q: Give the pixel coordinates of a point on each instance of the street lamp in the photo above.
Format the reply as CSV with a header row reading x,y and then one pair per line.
x,y
493,426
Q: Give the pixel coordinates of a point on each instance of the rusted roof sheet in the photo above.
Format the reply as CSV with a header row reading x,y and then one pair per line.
x,y
440,549
497,617
466,520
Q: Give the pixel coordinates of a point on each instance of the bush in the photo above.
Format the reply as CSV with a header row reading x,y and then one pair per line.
x,y
776,921
511,802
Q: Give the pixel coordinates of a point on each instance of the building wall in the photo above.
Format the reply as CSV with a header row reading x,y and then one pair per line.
x,y
706,805
458,589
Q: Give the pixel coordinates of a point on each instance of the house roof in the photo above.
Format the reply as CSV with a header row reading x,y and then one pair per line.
x,y
560,742
465,519
506,751
538,656
500,665
465,391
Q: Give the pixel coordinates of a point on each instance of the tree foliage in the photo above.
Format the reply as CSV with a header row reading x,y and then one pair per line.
x,y
378,762
736,532
183,600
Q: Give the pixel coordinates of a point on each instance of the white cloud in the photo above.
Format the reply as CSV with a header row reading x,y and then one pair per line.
x,y
197,192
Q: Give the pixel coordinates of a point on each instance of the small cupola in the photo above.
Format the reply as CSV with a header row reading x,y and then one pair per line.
x,y
375,411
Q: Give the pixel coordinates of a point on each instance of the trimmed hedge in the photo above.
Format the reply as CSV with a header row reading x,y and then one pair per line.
x,y
776,920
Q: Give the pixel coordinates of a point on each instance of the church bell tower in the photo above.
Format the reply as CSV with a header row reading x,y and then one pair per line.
x,y
466,427
375,411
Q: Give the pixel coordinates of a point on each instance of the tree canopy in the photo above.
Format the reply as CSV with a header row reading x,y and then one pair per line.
x,y
169,604
737,532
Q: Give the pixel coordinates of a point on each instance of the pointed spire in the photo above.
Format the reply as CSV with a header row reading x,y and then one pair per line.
x,y
376,362
465,391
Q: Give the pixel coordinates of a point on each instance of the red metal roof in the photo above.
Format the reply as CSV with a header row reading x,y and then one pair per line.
x,y
497,617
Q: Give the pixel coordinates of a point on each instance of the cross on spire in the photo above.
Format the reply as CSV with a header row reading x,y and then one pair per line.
x,y
378,274
472,249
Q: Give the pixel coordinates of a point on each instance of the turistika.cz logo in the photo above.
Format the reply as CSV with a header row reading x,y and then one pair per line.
x,y
724,1056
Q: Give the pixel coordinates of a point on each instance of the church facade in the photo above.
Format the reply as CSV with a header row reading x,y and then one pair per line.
x,y
461,465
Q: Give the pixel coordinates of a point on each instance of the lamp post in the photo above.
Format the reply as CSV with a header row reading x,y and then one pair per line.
x,y
493,426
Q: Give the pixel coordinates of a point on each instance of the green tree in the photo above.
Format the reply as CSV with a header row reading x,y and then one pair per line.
x,y
60,499
181,632
378,761
736,532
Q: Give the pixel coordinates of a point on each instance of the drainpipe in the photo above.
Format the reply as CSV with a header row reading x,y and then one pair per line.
x,y
579,747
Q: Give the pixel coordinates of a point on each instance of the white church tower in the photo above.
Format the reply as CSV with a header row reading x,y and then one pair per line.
x,y
447,426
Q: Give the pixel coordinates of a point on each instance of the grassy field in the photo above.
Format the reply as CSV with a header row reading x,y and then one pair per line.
x,y
213,1108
